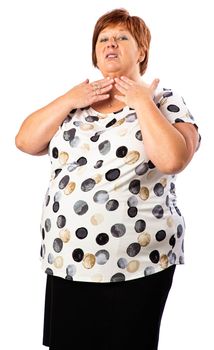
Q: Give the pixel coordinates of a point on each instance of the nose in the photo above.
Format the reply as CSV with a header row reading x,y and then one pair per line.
x,y
112,42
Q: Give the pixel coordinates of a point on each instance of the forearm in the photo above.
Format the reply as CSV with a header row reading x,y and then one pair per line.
x,y
165,146
39,127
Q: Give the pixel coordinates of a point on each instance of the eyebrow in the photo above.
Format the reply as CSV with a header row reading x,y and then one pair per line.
x,y
120,30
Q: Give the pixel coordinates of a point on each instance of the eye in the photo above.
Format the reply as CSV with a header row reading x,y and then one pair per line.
x,y
102,40
122,37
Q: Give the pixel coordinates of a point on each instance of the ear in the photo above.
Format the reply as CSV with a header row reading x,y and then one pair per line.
x,y
141,56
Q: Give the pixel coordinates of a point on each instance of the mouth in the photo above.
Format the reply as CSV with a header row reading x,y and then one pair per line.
x,y
111,56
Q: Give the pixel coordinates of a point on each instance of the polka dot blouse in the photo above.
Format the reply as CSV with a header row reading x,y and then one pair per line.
x,y
109,214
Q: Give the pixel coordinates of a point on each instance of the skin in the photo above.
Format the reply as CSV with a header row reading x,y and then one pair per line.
x,y
121,85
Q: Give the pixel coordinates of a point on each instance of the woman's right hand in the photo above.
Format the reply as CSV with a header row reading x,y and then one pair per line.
x,y
85,94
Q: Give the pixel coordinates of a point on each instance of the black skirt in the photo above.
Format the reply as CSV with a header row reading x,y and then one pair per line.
x,y
105,315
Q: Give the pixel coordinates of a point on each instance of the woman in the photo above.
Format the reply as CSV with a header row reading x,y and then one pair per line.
x,y
112,233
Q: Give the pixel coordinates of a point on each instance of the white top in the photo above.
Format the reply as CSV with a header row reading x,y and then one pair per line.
x,y
109,214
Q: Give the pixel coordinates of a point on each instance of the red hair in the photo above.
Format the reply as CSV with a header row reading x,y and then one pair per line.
x,y
134,24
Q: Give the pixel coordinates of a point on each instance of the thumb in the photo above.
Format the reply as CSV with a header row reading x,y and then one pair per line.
x,y
154,84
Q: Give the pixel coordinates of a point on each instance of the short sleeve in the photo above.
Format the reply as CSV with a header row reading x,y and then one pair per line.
x,y
174,108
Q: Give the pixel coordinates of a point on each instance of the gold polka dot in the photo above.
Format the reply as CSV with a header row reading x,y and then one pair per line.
x,y
163,101
58,262
96,219
119,122
89,260
97,178
170,221
144,193
151,174
131,157
122,132
163,181
69,188
65,235
144,239
97,278
63,157
86,127
85,147
164,261
133,266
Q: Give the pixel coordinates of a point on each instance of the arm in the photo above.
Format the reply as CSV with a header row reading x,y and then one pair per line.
x,y
169,144
39,127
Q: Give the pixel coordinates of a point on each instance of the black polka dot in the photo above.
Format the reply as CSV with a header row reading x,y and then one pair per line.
x,y
101,196
121,151
134,186
172,241
78,254
87,185
160,235
49,271
138,135
167,94
132,201
43,233
68,135
112,174
133,249
179,230
118,230
132,212
142,168
154,256
151,165
63,182
140,225
57,245
57,171
112,122
158,189
80,207
122,263
47,200
102,256
98,164
81,232
55,152
81,161
173,108
102,238
112,204
47,225
56,207
61,221
91,118
104,147
157,211
118,277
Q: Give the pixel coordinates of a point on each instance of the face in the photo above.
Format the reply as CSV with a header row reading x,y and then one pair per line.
x,y
117,52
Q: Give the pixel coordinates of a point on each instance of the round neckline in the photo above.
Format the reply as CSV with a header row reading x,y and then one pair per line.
x,y
110,113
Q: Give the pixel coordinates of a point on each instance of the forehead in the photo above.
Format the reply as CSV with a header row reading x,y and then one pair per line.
x,y
114,28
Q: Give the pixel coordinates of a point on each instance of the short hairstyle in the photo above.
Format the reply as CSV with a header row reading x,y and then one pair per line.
x,y
134,24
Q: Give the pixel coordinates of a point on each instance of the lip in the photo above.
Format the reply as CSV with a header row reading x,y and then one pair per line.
x,y
111,53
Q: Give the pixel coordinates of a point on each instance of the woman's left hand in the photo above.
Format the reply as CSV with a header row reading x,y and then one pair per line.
x,y
133,93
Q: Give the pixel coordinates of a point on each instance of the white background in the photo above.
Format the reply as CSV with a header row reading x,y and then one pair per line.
x,y
45,50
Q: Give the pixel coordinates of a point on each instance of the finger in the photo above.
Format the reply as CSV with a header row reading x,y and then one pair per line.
x,y
154,84
121,89
100,97
127,80
103,82
120,98
122,83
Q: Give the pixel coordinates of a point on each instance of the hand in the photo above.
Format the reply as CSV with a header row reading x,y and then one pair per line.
x,y
133,93
85,94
